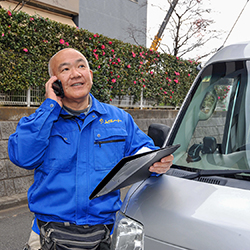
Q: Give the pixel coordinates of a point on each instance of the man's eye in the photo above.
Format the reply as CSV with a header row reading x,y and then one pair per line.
x,y
65,69
81,66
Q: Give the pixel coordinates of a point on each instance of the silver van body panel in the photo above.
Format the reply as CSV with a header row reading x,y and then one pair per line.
x,y
232,52
185,214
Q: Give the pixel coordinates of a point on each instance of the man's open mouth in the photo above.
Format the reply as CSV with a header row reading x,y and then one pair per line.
x,y
77,84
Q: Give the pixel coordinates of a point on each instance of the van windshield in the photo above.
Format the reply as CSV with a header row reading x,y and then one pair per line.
x,y
215,130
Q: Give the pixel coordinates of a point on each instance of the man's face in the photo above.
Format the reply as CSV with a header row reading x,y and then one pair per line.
x,y
72,69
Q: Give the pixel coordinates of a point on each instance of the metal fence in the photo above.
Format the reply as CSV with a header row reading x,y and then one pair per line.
x,y
30,97
34,97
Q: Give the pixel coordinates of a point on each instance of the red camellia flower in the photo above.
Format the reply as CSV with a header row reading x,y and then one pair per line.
x,y
103,47
110,42
25,50
61,41
2,34
32,19
9,13
113,80
129,66
67,44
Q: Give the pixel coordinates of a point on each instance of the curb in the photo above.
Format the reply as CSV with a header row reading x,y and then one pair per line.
x,y
12,201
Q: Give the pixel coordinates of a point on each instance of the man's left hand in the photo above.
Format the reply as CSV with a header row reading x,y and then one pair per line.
x,y
163,166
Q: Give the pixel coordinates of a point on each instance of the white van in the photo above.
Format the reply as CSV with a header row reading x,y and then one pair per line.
x,y
203,202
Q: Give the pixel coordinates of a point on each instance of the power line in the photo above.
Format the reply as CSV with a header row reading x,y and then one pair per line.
x,y
235,23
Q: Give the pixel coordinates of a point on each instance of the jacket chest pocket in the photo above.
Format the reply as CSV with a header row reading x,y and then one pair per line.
x,y
61,152
109,146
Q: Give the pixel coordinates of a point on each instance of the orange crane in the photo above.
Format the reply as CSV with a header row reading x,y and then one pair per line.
x,y
156,43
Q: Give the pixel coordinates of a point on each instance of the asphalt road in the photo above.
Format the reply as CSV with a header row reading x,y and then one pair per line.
x,y
15,226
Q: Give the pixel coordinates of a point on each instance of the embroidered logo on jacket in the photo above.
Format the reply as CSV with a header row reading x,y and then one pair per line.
x,y
109,121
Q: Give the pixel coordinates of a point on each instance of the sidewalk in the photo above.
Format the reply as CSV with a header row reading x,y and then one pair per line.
x,y
12,201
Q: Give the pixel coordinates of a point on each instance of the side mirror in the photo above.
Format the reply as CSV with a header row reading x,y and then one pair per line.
x,y
159,133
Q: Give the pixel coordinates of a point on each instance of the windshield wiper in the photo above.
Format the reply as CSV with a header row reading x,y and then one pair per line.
x,y
201,173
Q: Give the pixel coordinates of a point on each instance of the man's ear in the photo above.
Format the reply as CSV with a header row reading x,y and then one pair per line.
x,y
91,73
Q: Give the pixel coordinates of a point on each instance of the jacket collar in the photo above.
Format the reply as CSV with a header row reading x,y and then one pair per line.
x,y
96,107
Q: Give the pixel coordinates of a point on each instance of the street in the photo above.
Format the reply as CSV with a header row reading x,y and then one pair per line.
x,y
15,226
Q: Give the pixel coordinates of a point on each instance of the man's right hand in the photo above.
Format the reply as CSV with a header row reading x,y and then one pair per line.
x,y
50,91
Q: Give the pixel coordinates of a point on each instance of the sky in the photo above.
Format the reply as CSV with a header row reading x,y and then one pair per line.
x,y
225,14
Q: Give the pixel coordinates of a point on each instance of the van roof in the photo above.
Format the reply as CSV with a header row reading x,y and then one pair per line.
x,y
234,52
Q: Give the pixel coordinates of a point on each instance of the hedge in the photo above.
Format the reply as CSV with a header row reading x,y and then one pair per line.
x,y
28,42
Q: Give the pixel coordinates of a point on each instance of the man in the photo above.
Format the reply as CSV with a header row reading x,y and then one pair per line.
x,y
72,143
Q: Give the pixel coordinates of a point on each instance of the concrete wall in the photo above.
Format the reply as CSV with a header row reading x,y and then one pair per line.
x,y
15,181
115,19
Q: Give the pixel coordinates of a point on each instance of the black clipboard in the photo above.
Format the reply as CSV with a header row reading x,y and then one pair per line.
x,y
130,170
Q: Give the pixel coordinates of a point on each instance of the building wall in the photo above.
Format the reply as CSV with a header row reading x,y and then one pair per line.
x,y
63,11
119,19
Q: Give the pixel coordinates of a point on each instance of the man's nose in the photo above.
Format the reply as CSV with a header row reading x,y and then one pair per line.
x,y
74,73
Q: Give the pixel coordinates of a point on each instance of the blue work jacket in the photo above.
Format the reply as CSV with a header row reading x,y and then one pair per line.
x,y
71,155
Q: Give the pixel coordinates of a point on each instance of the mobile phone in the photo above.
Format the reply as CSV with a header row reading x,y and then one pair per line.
x,y
58,89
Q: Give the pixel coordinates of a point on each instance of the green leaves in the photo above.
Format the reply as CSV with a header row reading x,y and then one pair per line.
x,y
120,69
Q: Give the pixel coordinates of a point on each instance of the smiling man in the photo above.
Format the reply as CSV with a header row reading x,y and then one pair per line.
x,y
71,149
72,68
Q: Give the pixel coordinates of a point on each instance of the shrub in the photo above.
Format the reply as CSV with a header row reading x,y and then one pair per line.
x,y
28,42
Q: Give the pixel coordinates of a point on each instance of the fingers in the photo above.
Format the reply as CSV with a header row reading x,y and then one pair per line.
x,y
163,166
50,91
48,86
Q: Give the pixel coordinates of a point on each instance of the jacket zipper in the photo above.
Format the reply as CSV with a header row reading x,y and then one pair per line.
x,y
110,141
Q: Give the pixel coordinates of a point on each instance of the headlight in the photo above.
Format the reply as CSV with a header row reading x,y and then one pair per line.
x,y
128,234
